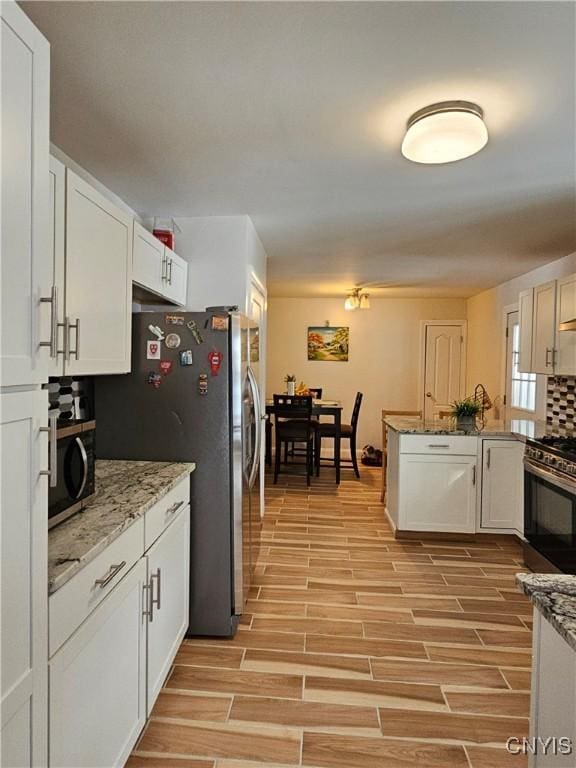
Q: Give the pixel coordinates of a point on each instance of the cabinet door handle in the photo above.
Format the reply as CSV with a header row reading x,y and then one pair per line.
x,y
75,352
170,272
437,445
52,471
164,268
548,351
155,601
554,353
474,475
114,569
146,595
53,343
488,458
171,510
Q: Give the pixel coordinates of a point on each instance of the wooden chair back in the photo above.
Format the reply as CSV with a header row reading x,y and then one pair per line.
x,y
356,411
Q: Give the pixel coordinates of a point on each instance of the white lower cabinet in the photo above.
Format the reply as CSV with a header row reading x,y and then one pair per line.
x,y
168,580
437,493
97,691
553,699
23,564
502,498
105,678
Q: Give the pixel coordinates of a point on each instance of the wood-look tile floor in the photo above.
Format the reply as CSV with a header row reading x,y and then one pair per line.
x,y
356,651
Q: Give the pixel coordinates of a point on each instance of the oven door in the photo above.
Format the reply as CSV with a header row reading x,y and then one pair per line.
x,y
550,515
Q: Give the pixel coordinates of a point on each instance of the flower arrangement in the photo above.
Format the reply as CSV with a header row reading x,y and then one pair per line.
x,y
290,380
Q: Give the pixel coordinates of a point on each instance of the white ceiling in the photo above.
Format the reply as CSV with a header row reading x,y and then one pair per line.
x,y
294,112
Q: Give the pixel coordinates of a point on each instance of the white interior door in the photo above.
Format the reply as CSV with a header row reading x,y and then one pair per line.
x,y
444,366
257,311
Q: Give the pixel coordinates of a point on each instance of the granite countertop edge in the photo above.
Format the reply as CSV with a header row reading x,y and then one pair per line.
x,y
554,595
126,512
520,429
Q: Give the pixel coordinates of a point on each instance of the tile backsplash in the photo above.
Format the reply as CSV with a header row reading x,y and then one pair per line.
x,y
71,397
560,401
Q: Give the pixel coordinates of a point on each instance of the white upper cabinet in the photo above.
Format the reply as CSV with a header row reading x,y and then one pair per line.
x,y
25,277
98,281
176,277
566,340
544,328
544,348
148,262
525,312
57,260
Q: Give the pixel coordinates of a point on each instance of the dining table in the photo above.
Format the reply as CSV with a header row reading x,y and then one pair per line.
x,y
331,408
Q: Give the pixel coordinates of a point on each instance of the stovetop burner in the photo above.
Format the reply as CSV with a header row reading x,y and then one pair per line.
x,y
561,443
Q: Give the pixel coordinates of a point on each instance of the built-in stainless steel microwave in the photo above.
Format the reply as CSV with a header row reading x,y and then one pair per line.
x,y
72,480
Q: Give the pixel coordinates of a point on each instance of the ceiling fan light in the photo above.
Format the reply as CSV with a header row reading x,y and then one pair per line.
x,y
364,301
445,132
352,301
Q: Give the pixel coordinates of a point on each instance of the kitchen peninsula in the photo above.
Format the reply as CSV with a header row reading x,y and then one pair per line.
x,y
440,479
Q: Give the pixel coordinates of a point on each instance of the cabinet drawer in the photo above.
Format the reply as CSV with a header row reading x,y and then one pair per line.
x,y
73,603
461,445
161,514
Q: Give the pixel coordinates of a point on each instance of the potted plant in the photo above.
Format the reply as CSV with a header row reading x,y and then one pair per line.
x,y
290,380
465,412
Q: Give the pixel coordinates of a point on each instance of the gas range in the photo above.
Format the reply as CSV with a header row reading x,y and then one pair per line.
x,y
554,451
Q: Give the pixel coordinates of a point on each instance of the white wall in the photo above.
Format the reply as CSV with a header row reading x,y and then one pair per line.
x,y
220,251
486,332
384,353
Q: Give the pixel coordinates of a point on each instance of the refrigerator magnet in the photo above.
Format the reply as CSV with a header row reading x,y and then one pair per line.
x,y
215,359
155,379
219,323
172,341
192,326
166,367
203,384
153,350
174,319
186,357
158,332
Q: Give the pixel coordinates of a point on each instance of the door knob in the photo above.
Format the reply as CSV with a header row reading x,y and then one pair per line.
x,y
428,394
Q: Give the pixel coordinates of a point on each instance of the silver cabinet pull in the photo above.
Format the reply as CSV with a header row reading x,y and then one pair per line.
x,y
170,272
146,595
52,471
554,353
75,352
176,506
474,475
488,454
437,445
53,343
548,351
114,569
164,276
155,601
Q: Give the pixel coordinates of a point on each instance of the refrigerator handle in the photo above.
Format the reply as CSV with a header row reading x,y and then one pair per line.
x,y
258,422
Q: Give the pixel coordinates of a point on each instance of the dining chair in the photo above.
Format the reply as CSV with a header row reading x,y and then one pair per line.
x,y
347,431
293,450
293,424
385,413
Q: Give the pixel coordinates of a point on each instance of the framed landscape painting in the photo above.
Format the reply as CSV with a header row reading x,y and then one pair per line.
x,y
328,343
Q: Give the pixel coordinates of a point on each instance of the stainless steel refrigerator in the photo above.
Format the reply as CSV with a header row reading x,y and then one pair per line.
x,y
193,395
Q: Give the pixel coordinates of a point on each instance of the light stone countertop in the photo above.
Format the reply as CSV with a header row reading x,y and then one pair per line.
x,y
554,594
125,490
518,428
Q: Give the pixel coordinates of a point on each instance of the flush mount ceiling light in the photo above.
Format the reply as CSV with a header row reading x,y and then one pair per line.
x,y
357,300
445,132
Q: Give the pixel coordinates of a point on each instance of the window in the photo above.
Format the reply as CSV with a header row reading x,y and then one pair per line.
x,y
523,389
